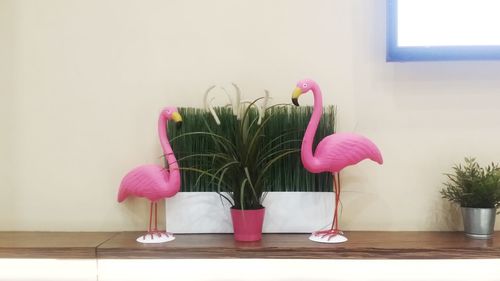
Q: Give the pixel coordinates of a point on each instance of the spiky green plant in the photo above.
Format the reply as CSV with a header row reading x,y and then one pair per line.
x,y
286,128
199,142
473,186
238,164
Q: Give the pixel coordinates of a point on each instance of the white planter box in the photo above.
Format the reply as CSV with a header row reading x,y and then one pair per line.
x,y
205,212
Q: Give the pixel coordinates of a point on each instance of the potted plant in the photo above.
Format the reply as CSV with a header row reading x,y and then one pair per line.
x,y
477,190
287,180
239,161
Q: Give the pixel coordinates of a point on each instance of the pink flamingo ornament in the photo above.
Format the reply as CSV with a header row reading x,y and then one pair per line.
x,y
332,154
154,182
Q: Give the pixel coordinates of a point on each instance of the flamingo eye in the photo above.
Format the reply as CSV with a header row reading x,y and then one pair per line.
x,y
305,85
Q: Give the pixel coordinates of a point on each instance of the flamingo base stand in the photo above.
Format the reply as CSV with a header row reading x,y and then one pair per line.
x,y
333,235
328,238
152,238
153,235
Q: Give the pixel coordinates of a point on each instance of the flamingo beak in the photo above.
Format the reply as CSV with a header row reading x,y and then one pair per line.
x,y
177,119
295,96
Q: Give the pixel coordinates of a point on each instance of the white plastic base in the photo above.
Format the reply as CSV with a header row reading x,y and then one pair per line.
x,y
155,238
328,239
206,212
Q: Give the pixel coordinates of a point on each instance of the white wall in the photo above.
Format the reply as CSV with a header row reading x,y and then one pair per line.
x,y
84,81
6,108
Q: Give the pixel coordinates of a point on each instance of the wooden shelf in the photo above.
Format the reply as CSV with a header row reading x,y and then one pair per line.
x,y
74,245
361,245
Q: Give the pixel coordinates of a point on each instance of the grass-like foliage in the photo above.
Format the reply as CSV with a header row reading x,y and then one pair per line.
x,y
473,186
244,159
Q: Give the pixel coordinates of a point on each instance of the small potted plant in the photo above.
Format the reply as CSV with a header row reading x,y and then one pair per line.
x,y
477,190
238,160
240,166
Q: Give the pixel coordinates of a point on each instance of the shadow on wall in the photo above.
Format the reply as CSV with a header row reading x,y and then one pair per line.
x,y
446,215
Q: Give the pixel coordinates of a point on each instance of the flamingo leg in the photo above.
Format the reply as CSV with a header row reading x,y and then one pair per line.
x,y
160,233
335,223
335,190
154,235
335,219
155,230
156,217
150,221
334,230
166,229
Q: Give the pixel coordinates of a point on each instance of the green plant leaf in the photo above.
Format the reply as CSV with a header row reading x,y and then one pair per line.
x,y
473,186
203,145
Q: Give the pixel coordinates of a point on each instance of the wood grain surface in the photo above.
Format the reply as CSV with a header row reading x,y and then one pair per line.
x,y
81,245
361,245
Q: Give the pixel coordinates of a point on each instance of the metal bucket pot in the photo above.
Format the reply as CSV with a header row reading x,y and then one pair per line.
x,y
479,223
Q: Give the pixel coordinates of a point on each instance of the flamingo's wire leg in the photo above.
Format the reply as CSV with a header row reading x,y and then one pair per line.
x,y
154,230
336,187
334,230
156,217
150,222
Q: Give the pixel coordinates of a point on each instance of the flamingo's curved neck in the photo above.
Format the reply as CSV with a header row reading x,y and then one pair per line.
x,y
307,143
173,177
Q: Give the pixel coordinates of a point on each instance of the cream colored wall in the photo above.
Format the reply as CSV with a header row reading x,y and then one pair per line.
x,y
6,109
84,81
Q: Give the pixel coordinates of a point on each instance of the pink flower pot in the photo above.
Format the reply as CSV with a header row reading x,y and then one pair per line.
x,y
247,224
